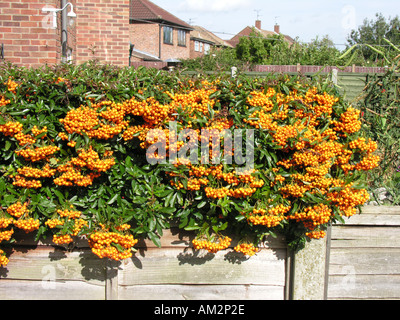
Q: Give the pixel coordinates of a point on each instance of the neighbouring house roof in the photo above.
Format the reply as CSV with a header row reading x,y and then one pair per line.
x,y
265,33
145,56
144,10
202,34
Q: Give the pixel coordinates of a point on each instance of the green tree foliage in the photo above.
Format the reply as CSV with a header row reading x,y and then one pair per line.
x,y
376,33
216,60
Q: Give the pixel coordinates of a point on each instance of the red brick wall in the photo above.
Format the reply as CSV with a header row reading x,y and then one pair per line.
x,y
102,31
26,34
170,51
145,37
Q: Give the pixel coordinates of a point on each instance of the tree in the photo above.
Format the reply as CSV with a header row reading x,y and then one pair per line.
x,y
374,32
256,48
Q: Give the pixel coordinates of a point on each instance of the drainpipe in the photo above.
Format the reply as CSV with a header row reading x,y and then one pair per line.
x,y
64,32
159,40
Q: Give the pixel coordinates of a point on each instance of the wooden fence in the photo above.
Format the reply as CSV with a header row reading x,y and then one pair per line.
x,y
358,260
364,259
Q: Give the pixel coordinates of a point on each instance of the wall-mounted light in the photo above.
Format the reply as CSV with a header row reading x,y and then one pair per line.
x,y
71,14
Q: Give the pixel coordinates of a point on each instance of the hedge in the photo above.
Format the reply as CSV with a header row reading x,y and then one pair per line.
x,y
75,141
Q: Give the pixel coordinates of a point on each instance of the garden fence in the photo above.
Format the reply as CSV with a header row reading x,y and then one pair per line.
x,y
358,260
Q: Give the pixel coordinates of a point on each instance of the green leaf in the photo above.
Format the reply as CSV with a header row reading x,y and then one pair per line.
x,y
156,240
113,199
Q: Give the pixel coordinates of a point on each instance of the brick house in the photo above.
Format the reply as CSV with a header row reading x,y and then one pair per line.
x,y
106,30
156,34
202,40
30,37
257,28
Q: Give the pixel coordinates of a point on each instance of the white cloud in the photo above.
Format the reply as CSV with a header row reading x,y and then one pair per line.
x,y
214,5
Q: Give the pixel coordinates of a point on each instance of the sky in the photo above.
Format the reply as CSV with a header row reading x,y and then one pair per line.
x,y
301,19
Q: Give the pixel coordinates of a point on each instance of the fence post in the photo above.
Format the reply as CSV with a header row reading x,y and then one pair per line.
x,y
335,76
308,274
233,72
298,67
111,280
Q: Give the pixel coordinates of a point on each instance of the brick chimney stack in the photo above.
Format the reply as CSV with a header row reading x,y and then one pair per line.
x,y
258,24
277,29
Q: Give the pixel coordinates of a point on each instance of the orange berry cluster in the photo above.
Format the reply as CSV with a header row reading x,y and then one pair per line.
x,y
211,246
11,128
313,153
313,217
349,121
248,249
71,172
37,154
24,222
104,244
11,85
28,225
199,177
348,199
3,259
27,176
94,122
4,101
269,218
5,235
17,209
62,218
14,129
316,234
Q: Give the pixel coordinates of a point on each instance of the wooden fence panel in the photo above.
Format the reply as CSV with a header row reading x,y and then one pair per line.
x,y
41,270
364,260
177,272
49,273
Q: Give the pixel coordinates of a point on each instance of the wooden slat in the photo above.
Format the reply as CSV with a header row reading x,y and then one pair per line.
x,y
355,286
175,266
365,261
365,237
365,256
176,238
58,290
30,263
201,292
375,216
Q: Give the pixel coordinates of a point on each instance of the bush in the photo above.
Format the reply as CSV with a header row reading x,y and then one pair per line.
x,y
381,118
75,147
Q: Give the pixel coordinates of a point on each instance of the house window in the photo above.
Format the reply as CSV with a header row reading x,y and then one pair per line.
x,y
197,46
182,38
206,48
201,46
168,31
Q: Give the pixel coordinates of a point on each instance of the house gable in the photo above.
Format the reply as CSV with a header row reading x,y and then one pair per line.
x,y
157,32
246,32
146,11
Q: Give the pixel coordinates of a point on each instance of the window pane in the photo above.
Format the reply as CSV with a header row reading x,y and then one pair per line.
x,y
168,35
181,37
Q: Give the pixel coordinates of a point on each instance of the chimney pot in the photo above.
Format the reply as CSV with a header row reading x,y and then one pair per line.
x,y
258,24
277,29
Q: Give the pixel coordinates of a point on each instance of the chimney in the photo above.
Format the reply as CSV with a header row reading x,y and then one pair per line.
x,y
258,24
276,29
